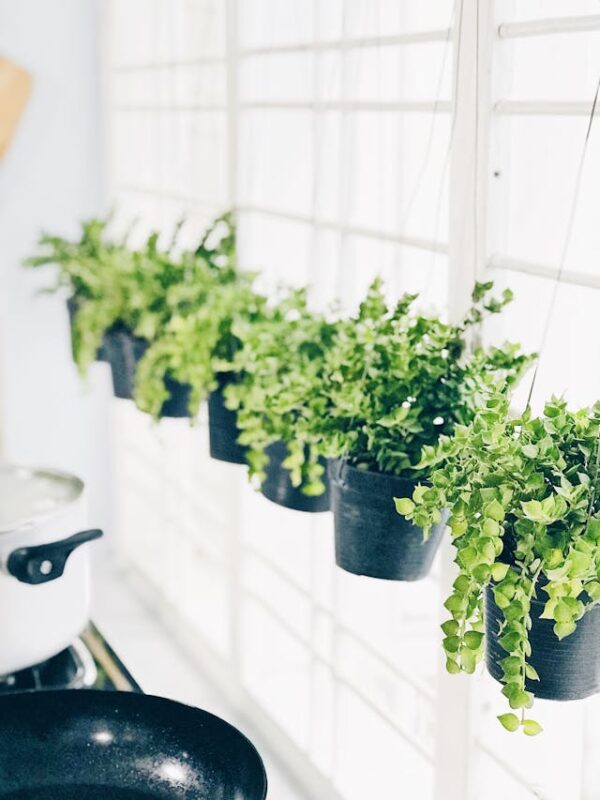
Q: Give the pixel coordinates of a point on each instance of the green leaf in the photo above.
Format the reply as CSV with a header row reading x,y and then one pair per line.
x,y
451,644
491,527
533,510
509,721
499,571
531,727
452,666
481,573
468,556
510,641
473,639
494,510
511,665
404,505
521,699
531,673
562,612
468,660
564,629
530,450
450,627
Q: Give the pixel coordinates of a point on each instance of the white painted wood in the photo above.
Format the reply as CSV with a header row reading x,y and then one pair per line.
x,y
544,108
469,150
416,106
351,42
552,25
466,249
577,278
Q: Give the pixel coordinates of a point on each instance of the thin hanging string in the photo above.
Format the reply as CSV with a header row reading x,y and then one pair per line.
x,y
407,210
408,207
438,211
566,245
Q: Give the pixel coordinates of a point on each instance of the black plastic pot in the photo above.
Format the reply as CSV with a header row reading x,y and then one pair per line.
x,y
123,351
278,488
223,431
569,669
371,538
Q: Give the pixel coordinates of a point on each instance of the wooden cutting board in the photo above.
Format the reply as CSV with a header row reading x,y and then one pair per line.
x,y
15,87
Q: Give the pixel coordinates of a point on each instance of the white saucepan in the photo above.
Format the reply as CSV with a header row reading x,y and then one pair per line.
x,y
44,569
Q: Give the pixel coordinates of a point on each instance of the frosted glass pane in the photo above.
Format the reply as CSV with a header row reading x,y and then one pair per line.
x,y
532,194
280,248
404,269
275,22
388,74
558,67
570,360
381,17
276,160
398,180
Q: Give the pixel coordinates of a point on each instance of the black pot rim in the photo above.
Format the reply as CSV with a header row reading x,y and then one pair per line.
x,y
343,473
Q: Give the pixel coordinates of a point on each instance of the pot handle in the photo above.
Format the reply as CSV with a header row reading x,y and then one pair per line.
x,y
46,562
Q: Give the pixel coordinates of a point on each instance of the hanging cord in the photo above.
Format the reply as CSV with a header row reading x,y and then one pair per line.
x,y
407,210
567,242
438,210
414,193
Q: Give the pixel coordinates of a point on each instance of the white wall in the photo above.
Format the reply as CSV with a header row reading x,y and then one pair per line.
x,y
50,178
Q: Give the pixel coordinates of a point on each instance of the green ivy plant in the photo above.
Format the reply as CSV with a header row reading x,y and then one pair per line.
x,y
91,269
281,364
524,501
182,303
197,343
394,381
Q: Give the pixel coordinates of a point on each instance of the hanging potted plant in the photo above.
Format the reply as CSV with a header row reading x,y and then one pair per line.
x,y
124,300
394,381
280,364
84,282
524,501
236,305
197,347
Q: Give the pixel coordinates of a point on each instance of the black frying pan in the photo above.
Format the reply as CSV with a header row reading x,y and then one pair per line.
x,y
95,745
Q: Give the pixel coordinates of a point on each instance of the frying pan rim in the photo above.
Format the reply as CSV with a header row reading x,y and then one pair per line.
x,y
140,697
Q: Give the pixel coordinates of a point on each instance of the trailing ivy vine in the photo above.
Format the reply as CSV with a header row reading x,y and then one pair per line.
x,y
524,498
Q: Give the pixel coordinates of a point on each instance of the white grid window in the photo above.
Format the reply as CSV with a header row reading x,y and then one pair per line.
x,y
352,136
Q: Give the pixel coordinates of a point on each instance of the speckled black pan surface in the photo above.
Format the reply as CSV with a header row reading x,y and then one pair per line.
x,y
124,746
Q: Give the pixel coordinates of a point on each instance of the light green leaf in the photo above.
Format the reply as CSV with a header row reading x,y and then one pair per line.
x,y
473,639
531,727
509,721
564,629
531,673
499,571
404,505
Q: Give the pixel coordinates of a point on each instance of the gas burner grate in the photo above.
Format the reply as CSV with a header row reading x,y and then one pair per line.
x,y
73,668
89,663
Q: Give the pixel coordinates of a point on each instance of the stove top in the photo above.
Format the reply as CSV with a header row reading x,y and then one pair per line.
x,y
89,663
